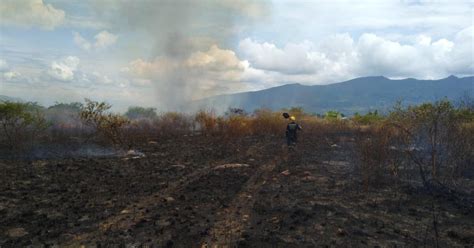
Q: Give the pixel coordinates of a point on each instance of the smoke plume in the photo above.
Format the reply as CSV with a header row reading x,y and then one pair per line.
x,y
189,43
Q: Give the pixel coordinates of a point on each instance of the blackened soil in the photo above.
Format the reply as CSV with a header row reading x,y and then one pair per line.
x,y
180,195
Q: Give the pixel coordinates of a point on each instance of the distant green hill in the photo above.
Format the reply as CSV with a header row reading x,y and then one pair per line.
x,y
356,95
9,99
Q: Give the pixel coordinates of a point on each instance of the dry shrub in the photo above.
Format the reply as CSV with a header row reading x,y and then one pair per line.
x,y
327,132
173,124
436,134
139,131
235,126
338,126
206,122
108,125
312,125
460,148
434,139
265,121
378,154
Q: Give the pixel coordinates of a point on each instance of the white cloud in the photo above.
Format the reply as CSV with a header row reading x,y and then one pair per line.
x,y
30,13
268,56
103,40
389,58
339,57
64,69
462,53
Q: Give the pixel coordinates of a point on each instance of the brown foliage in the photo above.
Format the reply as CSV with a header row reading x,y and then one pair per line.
x,y
109,125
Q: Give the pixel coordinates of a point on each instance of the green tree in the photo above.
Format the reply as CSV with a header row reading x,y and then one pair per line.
x,y
332,115
137,112
369,118
61,114
21,122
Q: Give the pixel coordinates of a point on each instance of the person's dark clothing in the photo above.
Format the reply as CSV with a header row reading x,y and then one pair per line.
x,y
291,133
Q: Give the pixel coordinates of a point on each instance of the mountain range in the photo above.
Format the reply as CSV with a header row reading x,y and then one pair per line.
x,y
357,95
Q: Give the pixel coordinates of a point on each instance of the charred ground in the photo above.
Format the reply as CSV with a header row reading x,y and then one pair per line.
x,y
99,178
196,191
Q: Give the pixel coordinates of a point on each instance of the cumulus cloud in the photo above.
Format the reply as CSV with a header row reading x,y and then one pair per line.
x,y
462,53
268,56
103,40
64,69
386,57
30,13
424,58
340,57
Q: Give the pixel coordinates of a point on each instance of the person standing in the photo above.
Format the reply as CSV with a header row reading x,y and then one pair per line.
x,y
292,131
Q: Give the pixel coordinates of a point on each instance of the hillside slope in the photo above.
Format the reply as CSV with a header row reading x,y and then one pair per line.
x,y
356,95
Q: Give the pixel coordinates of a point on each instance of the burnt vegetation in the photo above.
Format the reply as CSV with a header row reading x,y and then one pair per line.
x,y
78,173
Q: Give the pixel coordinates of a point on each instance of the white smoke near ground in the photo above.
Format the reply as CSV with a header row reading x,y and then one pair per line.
x,y
189,42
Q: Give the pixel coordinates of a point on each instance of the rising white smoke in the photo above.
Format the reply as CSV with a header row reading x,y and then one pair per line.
x,y
189,50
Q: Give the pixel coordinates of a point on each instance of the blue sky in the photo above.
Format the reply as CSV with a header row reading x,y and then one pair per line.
x,y
161,53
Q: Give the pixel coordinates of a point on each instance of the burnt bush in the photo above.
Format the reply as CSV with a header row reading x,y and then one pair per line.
x,y
173,123
438,136
108,125
434,139
379,154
